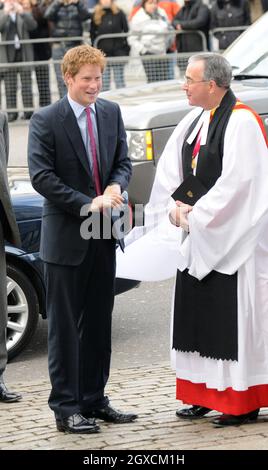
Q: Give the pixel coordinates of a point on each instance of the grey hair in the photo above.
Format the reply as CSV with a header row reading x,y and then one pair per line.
x,y
216,68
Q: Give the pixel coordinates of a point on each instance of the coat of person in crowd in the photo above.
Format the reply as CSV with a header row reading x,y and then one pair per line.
x,y
107,18
8,231
228,14
78,160
193,16
220,324
15,24
42,50
171,7
67,17
149,36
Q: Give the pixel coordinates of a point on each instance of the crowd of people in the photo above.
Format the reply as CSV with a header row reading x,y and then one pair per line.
x,y
151,24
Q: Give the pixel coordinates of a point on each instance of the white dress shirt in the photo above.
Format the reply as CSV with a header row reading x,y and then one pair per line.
x,y
81,117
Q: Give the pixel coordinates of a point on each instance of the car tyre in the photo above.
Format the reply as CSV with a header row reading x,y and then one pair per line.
x,y
23,310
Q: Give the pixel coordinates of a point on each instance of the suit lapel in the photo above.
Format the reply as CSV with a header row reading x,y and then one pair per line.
x,y
19,26
102,136
73,133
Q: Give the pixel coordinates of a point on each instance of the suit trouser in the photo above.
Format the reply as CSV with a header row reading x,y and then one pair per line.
x,y
79,308
43,84
3,304
11,83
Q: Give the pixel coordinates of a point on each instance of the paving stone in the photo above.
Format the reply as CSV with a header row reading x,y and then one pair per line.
x,y
148,391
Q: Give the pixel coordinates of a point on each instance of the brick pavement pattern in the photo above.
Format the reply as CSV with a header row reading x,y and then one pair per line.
x,y
150,392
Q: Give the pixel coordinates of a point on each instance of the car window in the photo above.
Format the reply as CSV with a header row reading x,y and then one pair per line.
x,y
249,53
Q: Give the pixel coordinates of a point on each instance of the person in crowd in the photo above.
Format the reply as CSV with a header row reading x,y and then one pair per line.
x,y
193,16
149,28
228,14
15,24
107,18
67,17
171,8
8,231
78,161
42,50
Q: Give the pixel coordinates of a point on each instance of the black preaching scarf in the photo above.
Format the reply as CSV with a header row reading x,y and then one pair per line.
x,y
205,312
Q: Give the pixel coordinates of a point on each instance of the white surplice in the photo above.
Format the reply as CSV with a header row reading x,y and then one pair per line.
x,y
228,234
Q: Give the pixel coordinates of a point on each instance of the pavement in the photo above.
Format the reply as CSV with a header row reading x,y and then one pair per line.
x,y
149,391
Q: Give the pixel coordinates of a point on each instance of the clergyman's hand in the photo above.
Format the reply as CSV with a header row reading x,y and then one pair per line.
x,y
179,215
184,210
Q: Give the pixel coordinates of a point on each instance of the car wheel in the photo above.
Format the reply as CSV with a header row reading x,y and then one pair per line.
x,y
22,308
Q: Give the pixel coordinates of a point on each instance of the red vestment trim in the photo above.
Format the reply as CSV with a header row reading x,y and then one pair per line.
x,y
240,105
228,401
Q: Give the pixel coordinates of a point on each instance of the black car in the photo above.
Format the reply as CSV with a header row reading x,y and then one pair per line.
x,y
25,283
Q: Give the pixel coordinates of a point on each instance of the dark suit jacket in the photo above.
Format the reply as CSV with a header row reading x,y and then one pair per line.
x,y
7,215
60,171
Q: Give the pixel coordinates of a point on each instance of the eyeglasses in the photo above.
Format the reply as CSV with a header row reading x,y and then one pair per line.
x,y
191,81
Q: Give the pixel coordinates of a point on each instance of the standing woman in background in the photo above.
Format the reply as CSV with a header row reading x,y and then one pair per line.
x,y
107,18
149,28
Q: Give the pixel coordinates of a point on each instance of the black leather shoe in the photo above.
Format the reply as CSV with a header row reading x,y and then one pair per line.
x,y
12,117
231,420
195,412
109,414
7,396
77,424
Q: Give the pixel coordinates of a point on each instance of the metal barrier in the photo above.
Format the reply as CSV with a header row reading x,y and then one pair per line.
x,y
172,33
41,82
149,67
214,35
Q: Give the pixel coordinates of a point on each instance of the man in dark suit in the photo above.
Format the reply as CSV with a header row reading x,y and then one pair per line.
x,y
8,231
78,160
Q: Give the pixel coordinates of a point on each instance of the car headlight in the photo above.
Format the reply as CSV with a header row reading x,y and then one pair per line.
x,y
140,145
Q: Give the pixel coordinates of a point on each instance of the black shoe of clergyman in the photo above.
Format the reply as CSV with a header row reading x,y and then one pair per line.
x,y
231,420
195,412
109,414
7,396
77,424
